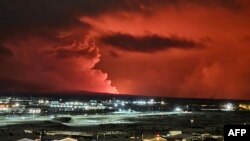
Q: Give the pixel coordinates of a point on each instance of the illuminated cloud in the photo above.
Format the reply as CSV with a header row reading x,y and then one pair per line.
x,y
77,50
50,46
40,65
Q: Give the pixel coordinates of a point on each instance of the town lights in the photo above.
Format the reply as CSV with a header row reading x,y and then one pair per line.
x,y
17,105
229,107
151,101
35,111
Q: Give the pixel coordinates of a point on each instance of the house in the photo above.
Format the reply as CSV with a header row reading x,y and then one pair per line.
x,y
157,138
25,139
68,139
183,137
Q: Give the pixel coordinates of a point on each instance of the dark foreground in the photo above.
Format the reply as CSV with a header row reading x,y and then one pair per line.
x,y
127,127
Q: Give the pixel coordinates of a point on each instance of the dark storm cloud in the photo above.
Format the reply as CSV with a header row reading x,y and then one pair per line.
x,y
147,43
5,51
24,15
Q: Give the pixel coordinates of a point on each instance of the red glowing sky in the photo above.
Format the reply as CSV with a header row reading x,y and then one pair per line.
x,y
173,48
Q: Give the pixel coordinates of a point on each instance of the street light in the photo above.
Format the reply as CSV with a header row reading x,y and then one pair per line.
x,y
178,109
229,107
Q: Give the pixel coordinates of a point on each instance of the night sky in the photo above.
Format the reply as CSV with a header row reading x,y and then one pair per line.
x,y
173,48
